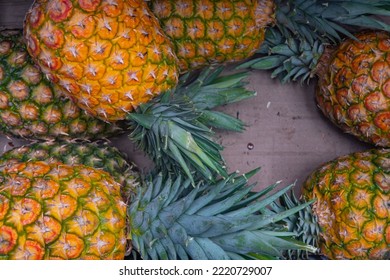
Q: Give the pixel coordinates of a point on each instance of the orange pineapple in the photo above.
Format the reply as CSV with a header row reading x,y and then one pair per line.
x,y
354,87
352,205
56,211
350,215
110,56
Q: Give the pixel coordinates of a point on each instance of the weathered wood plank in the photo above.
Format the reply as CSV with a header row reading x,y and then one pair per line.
x,y
12,13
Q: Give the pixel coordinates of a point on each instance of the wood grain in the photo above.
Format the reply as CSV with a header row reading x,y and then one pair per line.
x,y
12,13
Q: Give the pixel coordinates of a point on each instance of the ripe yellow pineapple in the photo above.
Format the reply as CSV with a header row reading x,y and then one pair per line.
x,y
350,215
354,87
33,108
110,56
353,205
57,211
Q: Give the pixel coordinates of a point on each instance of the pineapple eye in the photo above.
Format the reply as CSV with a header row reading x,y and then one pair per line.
x,y
153,74
112,2
106,25
92,70
107,97
149,91
87,88
141,55
73,51
133,76
85,101
144,33
119,59
112,80
129,95
99,48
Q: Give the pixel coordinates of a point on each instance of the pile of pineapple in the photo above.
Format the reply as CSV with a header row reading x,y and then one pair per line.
x,y
92,69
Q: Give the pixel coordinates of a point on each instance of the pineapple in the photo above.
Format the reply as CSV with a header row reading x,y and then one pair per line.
x,y
217,31
56,210
99,155
208,32
33,108
110,56
353,87
353,78
350,218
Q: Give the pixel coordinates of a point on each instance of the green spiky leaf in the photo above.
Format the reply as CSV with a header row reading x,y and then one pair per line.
x,y
329,21
303,223
290,59
209,221
175,130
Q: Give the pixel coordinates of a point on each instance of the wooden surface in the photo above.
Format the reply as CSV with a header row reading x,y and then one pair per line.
x,y
287,136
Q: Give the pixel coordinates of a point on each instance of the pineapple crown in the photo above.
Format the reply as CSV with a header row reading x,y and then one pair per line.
x,y
303,223
329,20
303,29
290,59
171,220
175,129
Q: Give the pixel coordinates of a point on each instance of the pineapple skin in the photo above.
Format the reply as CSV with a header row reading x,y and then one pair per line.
x,y
57,211
213,31
99,155
33,108
354,87
352,205
109,56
